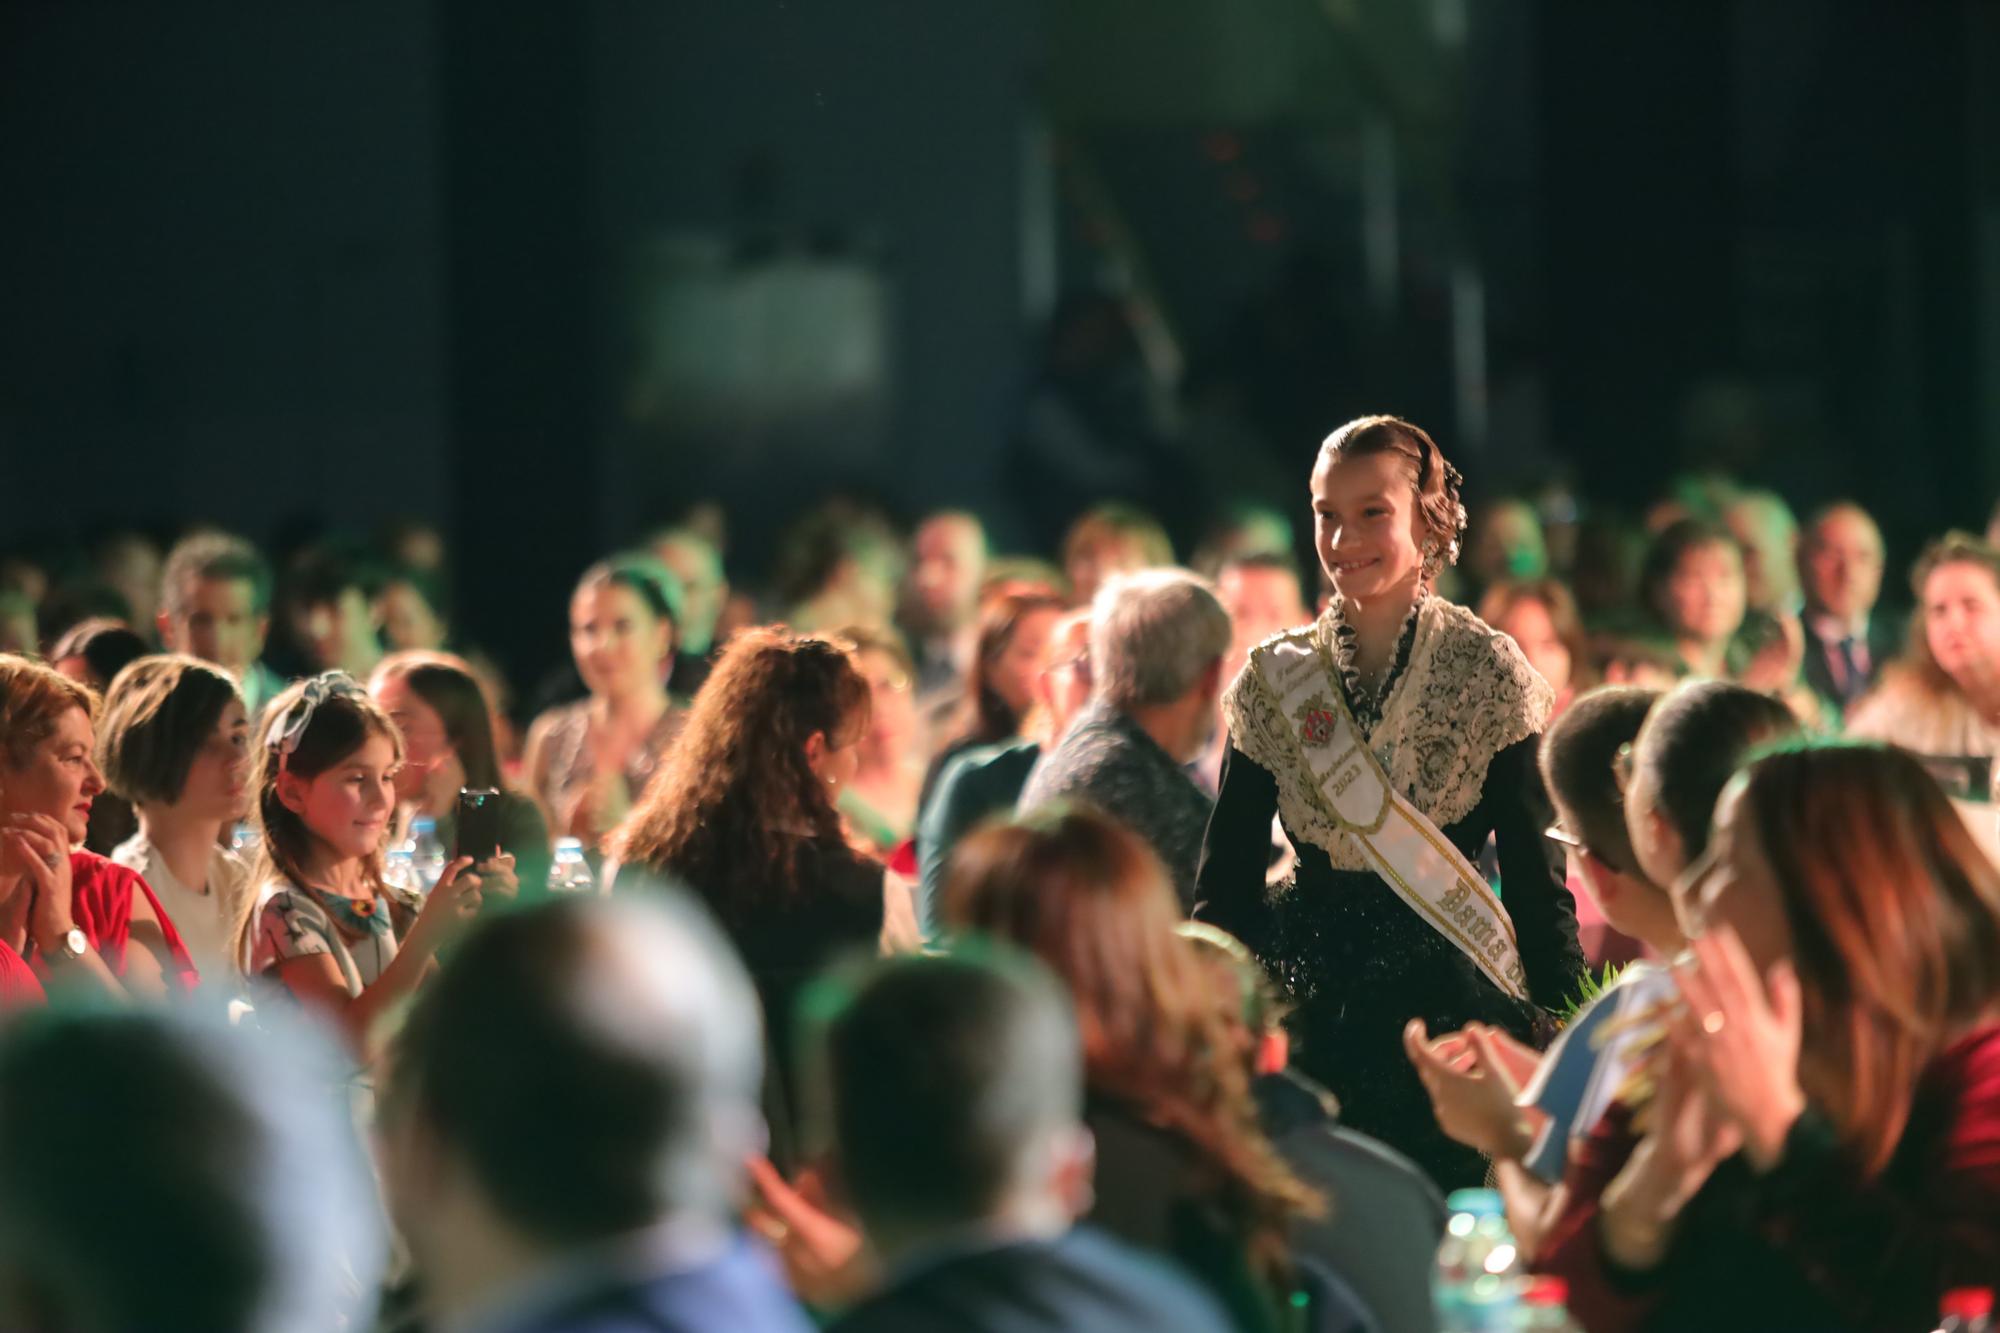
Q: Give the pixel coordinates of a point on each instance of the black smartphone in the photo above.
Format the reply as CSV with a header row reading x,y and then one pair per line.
x,y
478,823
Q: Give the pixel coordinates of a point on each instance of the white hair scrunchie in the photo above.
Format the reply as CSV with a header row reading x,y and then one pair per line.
x,y
289,727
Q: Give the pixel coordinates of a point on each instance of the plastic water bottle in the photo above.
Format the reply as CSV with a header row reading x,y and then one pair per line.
x,y
427,858
1545,1307
1478,1281
570,871
1966,1310
244,839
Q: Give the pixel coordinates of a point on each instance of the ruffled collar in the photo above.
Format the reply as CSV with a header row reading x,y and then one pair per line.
x,y
1365,703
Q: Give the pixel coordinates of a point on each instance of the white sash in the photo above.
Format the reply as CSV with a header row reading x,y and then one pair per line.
x,y
1401,844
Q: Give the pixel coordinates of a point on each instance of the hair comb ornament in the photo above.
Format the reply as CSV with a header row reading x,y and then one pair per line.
x,y
289,727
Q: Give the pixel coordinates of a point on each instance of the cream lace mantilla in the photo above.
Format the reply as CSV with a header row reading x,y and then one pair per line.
x,y
1465,695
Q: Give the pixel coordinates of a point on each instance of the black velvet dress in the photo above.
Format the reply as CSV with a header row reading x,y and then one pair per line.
x,y
1356,960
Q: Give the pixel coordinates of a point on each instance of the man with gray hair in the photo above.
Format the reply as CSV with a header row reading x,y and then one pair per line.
x,y
1157,643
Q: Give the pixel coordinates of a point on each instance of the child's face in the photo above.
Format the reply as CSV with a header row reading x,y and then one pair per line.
x,y
347,807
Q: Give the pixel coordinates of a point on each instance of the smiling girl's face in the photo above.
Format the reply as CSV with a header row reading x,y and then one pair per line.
x,y
1366,525
347,807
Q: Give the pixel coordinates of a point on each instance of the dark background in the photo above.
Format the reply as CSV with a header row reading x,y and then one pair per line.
x,y
548,272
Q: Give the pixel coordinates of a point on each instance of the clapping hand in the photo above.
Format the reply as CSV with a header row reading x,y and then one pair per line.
x,y
1739,1034
1474,1078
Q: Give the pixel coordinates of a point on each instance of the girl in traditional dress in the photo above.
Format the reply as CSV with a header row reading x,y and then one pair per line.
x,y
1391,737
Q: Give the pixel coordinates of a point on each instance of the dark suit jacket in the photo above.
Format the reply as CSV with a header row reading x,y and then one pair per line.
x,y
1385,1217
741,1291
1885,640
1084,1282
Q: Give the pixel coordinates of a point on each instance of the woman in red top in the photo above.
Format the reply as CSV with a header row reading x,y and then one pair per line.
x,y
1821,1143
69,911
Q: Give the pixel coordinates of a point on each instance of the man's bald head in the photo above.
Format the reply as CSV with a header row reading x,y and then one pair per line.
x,y
593,1065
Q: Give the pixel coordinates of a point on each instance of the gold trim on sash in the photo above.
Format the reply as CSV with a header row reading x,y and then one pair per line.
x,y
1452,896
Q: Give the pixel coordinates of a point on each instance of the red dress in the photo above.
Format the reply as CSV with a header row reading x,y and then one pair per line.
x,y
101,902
1808,1244
19,985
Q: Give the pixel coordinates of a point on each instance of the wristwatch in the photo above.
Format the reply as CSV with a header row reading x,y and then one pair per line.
x,y
74,945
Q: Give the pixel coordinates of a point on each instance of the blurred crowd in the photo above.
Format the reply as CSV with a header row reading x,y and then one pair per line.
x,y
836,948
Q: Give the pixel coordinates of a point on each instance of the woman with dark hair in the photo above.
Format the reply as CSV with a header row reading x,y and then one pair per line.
x,y
1816,1144
92,652
1392,738
1942,698
448,745
744,813
1015,623
587,762
175,742
1183,1167
1693,586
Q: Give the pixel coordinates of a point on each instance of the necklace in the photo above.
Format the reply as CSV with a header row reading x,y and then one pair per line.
x,y
1365,698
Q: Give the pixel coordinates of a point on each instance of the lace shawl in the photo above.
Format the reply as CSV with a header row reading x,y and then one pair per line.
x,y
1466,694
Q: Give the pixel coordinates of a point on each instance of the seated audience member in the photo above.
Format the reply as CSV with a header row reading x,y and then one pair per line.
x,y
1244,532
74,913
1642,663
565,1127
1540,616
446,721
19,635
175,743
954,1092
129,563
329,613
744,813
940,611
1383,1230
1694,588
693,560
988,780
1113,538
1014,628
320,921
91,652
1157,642
1263,596
880,799
1941,699
837,567
244,1200
588,762
1816,1141
409,606
1504,543
1840,569
414,543
1767,532
1634,777
215,604
1183,1167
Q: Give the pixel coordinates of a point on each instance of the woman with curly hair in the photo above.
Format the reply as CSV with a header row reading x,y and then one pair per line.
x,y
743,813
1183,1167
1392,737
